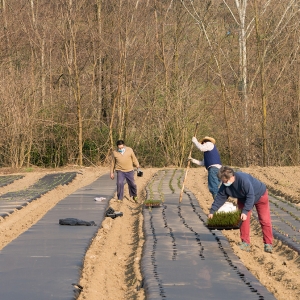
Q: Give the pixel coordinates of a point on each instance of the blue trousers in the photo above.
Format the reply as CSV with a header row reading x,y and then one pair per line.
x,y
129,177
213,181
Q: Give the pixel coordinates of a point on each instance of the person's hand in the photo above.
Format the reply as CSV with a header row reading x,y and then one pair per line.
x,y
112,176
210,216
243,217
194,140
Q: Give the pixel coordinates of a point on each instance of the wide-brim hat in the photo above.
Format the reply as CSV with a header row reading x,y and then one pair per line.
x,y
208,138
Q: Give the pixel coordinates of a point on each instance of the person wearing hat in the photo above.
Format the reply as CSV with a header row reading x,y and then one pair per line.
x,y
211,161
123,162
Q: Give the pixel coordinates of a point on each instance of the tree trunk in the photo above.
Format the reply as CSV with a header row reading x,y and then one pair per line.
x,y
260,50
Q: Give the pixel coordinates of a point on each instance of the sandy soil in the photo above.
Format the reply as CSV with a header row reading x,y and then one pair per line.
x,y
111,266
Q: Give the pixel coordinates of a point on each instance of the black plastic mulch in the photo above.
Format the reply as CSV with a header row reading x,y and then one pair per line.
x,y
8,179
182,258
45,262
285,221
18,199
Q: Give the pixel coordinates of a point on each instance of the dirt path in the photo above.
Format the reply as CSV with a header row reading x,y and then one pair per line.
x,y
111,266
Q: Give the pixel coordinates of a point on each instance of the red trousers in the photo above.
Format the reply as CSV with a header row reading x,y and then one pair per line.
x,y
264,217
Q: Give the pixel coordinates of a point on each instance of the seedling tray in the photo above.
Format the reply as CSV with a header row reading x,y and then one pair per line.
x,y
225,221
229,227
152,203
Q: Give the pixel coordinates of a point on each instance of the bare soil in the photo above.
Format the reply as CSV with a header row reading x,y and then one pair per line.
x,y
112,263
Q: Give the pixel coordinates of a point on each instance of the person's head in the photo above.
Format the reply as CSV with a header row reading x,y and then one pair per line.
x,y
226,175
120,144
207,139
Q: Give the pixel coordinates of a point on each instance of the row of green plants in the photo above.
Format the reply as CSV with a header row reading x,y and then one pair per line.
x,y
152,202
42,186
170,182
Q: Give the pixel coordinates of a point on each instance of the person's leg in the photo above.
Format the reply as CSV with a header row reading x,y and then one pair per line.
x,y
120,185
213,181
245,227
131,184
264,217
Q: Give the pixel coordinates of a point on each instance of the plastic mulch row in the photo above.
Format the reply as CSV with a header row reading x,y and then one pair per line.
x,y
182,258
285,221
8,179
18,199
45,262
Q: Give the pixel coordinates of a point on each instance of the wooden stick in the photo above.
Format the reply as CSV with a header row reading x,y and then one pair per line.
x,y
188,166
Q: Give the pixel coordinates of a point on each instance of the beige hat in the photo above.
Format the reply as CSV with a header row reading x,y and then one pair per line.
x,y
207,138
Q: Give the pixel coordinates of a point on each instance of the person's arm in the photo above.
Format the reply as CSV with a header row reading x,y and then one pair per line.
x,y
219,200
250,196
207,146
134,160
197,162
112,166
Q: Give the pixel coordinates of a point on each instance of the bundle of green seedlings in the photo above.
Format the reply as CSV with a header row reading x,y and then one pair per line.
x,y
225,219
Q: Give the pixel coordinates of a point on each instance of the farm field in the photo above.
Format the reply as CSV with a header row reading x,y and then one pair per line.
x,y
115,253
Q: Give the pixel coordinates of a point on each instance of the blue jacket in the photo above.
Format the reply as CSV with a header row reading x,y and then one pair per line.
x,y
245,188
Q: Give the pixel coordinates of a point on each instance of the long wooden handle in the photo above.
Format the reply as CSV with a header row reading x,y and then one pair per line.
x,y
188,166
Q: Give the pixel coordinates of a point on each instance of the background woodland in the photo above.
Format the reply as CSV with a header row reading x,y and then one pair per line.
x,y
76,75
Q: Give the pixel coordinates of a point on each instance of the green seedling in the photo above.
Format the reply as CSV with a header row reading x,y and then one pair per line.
x,y
170,182
180,179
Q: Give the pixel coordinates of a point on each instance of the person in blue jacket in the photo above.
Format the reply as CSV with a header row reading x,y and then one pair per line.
x,y
249,192
211,161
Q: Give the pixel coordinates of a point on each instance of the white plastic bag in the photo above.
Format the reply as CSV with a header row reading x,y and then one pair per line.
x,y
99,199
227,207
